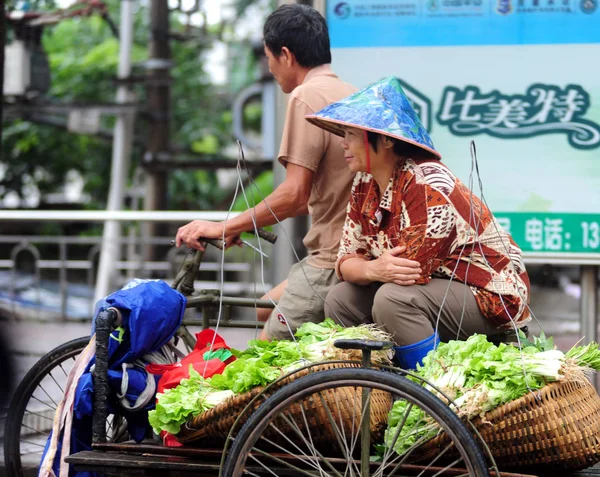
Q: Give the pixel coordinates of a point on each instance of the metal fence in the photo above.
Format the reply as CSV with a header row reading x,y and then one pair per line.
x,y
53,277
242,267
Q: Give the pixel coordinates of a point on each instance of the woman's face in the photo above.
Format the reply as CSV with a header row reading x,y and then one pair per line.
x,y
355,149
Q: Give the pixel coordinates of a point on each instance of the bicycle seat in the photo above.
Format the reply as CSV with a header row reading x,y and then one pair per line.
x,y
365,345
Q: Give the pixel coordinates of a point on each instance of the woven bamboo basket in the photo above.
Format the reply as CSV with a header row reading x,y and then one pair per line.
x,y
557,426
216,423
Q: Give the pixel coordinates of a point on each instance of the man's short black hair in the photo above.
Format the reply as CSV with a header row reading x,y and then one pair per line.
x,y
301,29
400,148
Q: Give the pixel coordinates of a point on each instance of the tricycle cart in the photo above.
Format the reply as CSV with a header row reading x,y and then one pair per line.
x,y
325,419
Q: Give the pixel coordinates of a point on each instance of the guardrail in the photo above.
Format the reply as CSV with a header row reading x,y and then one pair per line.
x,y
589,272
53,277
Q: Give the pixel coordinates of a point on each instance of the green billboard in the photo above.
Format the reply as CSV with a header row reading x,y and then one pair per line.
x,y
520,78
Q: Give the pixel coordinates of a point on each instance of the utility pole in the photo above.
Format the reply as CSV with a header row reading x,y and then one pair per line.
x,y
159,109
121,152
2,43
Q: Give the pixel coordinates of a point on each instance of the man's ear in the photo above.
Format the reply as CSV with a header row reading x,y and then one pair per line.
x,y
287,56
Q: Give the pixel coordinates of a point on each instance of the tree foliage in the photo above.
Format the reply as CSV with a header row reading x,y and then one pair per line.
x,y
83,58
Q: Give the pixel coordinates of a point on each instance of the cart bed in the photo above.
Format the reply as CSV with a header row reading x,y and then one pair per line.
x,y
126,460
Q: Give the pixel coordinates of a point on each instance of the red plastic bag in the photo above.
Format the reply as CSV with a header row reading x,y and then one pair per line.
x,y
172,374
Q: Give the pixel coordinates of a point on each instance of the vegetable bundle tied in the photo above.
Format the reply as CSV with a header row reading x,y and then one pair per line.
x,y
480,376
262,363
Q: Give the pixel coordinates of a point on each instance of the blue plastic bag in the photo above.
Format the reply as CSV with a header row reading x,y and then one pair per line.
x,y
152,312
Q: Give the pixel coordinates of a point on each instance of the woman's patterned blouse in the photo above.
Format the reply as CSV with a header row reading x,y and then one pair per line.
x,y
446,228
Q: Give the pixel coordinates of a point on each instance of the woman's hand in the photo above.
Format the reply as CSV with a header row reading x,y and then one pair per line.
x,y
389,268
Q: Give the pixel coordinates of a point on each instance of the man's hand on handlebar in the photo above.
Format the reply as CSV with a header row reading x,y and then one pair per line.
x,y
192,233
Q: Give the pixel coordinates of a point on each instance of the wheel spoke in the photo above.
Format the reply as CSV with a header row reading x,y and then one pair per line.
x,y
34,404
316,455
438,457
339,434
356,426
300,453
34,429
313,427
252,473
63,369
45,403
56,382
41,416
279,461
449,466
352,466
49,397
31,443
392,445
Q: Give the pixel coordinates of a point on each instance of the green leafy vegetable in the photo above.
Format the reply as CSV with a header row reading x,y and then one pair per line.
x,y
175,406
262,363
479,376
588,355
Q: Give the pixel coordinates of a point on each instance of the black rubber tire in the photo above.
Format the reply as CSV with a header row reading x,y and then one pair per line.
x,y
21,400
245,440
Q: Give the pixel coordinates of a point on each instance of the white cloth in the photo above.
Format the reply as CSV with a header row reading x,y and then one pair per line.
x,y
63,418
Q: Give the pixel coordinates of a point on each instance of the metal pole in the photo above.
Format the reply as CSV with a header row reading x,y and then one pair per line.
x,y
62,247
268,124
589,306
122,142
282,253
365,423
2,43
589,302
159,99
21,215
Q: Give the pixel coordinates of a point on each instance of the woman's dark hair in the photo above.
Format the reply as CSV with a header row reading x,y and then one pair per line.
x,y
400,148
301,29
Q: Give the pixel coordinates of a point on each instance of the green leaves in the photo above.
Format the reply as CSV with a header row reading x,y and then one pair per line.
x,y
83,58
261,187
479,376
190,398
207,145
588,355
408,426
262,363
259,365
539,342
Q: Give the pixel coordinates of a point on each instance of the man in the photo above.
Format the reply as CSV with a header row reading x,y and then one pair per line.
x,y
317,180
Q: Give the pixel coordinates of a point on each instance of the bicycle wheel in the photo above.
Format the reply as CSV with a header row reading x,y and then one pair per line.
x,y
311,427
33,405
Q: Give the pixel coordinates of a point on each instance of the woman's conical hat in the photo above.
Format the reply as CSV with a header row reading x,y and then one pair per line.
x,y
382,108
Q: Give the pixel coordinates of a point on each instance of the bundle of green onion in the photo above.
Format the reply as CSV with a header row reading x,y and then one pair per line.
x,y
262,363
480,376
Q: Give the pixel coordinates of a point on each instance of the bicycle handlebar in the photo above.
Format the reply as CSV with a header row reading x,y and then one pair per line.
x,y
262,233
364,345
265,234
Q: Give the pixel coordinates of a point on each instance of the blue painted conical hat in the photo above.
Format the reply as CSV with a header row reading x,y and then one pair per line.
x,y
382,108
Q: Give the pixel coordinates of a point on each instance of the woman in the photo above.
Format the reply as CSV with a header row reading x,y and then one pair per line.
x,y
420,254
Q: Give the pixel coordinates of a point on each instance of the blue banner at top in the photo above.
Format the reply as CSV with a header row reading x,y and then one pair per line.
x,y
398,23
